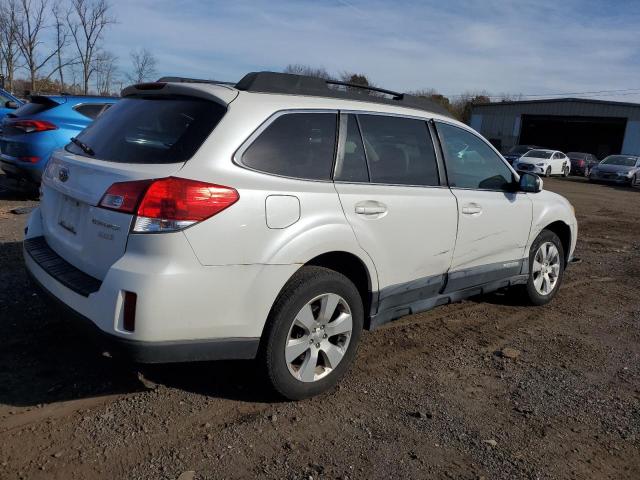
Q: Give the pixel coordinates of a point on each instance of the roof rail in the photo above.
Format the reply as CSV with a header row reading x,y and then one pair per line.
x,y
192,80
287,83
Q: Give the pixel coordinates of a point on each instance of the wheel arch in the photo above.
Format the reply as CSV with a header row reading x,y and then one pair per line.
x,y
563,231
352,267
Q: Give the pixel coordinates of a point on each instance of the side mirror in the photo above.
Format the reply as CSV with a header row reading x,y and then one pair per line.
x,y
530,183
11,104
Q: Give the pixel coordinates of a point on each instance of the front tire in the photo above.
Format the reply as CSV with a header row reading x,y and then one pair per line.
x,y
547,173
546,268
312,333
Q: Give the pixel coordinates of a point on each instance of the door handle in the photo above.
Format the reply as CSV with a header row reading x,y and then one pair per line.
x,y
471,209
370,208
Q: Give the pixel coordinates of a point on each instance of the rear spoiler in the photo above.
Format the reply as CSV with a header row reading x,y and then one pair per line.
x,y
221,94
44,100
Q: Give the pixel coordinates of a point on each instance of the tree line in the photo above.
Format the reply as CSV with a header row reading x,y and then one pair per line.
x,y
58,46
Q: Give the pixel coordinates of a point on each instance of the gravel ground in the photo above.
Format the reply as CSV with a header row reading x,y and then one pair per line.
x,y
481,389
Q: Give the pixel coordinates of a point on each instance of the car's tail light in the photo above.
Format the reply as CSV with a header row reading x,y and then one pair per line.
x,y
31,126
124,196
29,159
581,163
168,204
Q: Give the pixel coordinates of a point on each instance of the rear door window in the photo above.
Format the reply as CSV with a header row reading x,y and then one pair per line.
x,y
399,150
300,145
151,129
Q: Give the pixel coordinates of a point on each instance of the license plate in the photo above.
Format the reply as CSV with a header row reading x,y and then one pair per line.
x,y
69,214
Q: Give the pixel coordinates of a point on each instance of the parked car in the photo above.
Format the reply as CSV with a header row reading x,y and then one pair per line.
x,y
277,218
544,162
623,169
582,163
33,131
8,103
517,151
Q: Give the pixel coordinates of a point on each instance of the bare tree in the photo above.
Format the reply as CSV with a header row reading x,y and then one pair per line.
x,y
307,70
90,18
61,27
356,79
106,71
31,25
144,66
8,45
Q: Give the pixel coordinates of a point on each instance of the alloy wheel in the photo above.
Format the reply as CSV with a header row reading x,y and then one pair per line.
x,y
319,337
546,268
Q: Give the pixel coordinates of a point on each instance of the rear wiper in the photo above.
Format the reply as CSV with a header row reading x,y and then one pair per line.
x,y
85,148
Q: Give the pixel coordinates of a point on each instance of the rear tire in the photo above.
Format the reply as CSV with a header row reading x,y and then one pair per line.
x,y
565,172
298,353
546,268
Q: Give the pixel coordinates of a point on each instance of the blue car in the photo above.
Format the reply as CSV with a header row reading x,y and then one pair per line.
x,y
8,103
34,130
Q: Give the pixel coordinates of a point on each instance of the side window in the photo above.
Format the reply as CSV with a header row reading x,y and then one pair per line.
x,y
557,155
352,163
398,150
300,145
90,110
471,163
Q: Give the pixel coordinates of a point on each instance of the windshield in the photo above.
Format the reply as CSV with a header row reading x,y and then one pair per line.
x,y
620,160
538,154
576,155
519,149
150,129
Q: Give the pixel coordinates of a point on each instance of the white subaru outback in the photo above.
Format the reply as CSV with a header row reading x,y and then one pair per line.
x,y
278,217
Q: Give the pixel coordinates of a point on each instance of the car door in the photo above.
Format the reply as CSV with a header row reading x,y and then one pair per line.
x,y
494,219
389,184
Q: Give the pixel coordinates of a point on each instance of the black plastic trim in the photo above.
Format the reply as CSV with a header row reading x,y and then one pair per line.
x,y
426,293
59,268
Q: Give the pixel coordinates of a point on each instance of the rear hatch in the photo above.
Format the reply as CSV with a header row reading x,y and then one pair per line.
x,y
26,119
144,136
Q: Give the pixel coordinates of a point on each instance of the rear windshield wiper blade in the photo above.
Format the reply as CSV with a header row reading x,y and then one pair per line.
x,y
85,148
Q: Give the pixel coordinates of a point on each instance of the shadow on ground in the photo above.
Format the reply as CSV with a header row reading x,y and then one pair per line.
x,y
45,358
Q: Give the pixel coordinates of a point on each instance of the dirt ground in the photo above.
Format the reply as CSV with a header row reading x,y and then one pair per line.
x,y
429,396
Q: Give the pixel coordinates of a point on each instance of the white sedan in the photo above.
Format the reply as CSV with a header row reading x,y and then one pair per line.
x,y
544,162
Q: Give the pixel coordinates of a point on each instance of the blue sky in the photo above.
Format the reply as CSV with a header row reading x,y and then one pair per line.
x,y
530,47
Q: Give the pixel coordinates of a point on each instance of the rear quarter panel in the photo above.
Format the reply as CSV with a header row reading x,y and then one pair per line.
x,y
239,234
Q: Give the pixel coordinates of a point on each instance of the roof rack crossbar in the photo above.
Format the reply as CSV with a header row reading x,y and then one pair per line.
x,y
395,95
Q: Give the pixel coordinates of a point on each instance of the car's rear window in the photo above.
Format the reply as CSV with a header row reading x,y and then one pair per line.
x,y
156,129
34,106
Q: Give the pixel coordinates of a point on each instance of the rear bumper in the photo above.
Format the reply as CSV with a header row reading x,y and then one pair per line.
x,y
157,352
184,310
29,172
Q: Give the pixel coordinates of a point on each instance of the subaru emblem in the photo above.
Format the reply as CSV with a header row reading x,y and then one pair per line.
x,y
63,174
